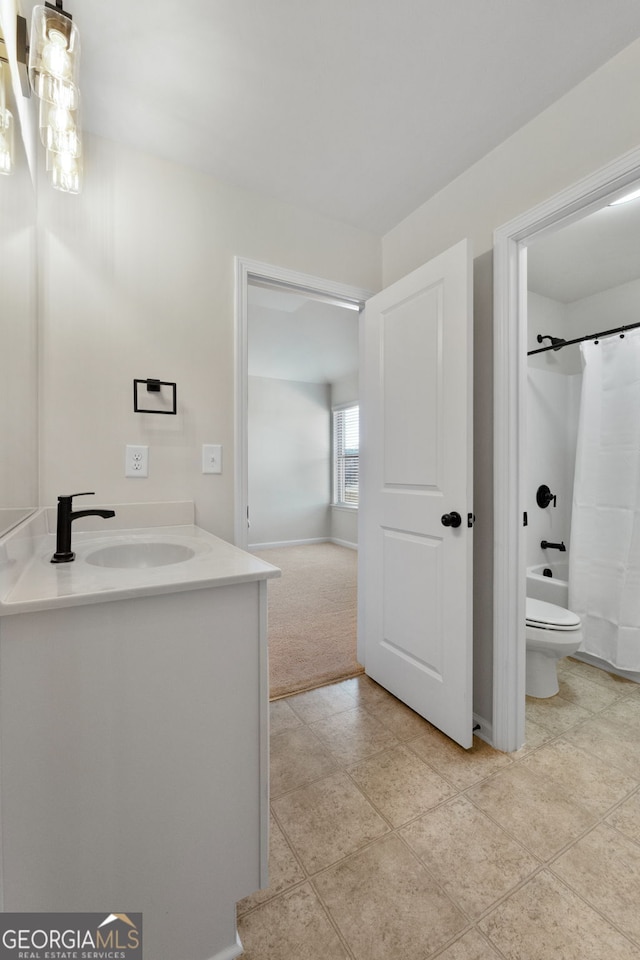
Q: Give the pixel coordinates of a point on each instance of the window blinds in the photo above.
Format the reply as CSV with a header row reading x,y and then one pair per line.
x,y
346,447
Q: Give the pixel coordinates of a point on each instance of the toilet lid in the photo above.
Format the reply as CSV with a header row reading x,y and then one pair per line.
x,y
541,614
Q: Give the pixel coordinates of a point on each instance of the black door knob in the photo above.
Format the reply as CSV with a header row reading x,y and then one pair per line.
x,y
452,519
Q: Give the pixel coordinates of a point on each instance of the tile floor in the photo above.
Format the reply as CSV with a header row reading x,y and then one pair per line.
x,y
389,842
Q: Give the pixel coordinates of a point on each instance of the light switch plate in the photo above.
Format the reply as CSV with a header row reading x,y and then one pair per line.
x,y
212,458
136,461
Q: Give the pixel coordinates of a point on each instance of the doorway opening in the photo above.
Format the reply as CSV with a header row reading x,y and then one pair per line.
x,y
297,362
510,402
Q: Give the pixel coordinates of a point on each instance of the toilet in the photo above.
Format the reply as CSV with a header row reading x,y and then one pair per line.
x,y
552,632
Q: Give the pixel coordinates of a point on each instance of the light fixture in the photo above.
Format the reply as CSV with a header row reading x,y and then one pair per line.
x,y
625,199
6,128
54,57
65,171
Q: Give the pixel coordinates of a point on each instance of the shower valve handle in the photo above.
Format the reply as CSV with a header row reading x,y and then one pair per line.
x,y
544,496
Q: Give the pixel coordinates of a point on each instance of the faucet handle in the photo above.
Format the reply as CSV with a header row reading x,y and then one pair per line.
x,y
70,496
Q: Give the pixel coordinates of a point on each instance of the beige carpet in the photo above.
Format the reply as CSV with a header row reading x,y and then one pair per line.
x,y
312,617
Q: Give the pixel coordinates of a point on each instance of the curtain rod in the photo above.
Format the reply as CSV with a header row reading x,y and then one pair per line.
x,y
558,344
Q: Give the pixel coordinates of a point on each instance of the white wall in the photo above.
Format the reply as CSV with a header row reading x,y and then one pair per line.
x,y
18,348
24,109
553,403
344,520
289,461
552,423
345,390
593,124
137,280
553,408
606,310
550,318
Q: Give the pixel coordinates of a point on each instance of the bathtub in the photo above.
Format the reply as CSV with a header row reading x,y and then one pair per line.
x,y
553,589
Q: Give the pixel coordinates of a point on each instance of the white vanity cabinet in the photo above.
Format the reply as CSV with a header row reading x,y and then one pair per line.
x,y
134,760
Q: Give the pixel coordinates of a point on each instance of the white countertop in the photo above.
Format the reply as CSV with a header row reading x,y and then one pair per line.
x,y
34,583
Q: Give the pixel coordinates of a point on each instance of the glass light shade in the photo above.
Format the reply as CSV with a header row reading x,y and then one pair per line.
x,y
65,172
626,198
6,142
60,129
54,56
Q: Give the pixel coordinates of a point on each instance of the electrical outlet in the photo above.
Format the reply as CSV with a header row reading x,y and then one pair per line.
x,y
136,461
211,458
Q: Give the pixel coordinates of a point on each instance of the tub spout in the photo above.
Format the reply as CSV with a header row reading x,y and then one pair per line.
x,y
553,546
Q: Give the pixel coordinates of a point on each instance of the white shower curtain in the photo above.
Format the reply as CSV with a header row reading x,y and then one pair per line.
x,y
604,560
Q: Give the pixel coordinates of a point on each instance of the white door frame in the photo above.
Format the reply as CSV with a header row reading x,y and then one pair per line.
x,y
300,283
510,348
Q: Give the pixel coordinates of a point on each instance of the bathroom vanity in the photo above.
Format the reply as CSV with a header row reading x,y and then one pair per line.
x,y
133,729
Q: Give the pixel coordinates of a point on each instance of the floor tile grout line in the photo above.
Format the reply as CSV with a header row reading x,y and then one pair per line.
x,y
616,694
396,828
499,955
469,923
275,896
331,919
386,699
306,882
594,714
310,876
621,803
542,864
577,666
592,906
580,749
603,820
289,843
334,713
545,861
470,920
345,765
583,747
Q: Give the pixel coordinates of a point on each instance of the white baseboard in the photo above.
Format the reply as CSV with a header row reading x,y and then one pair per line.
x,y
298,543
343,543
230,953
286,543
485,731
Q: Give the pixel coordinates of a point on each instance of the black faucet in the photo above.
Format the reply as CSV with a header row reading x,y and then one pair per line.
x,y
66,516
553,546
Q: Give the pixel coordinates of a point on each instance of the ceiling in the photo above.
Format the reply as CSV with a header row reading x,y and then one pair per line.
x,y
357,109
292,337
596,253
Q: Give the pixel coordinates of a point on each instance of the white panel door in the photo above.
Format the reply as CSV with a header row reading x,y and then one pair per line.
x,y
415,564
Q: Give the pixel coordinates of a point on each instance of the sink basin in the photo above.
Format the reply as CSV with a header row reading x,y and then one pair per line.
x,y
136,556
